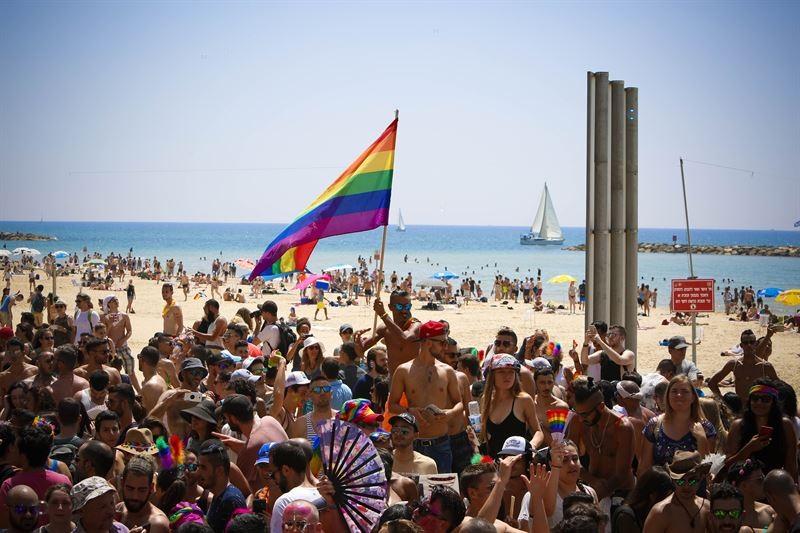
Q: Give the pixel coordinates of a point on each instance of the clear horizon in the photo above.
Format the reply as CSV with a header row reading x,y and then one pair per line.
x,y
231,112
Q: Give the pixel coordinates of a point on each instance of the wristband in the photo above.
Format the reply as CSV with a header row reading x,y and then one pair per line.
x,y
384,315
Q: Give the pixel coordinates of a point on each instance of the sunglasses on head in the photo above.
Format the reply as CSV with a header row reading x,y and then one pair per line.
x,y
402,307
681,482
732,513
500,342
319,389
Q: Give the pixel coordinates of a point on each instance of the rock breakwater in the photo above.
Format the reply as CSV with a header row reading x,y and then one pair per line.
x,y
737,249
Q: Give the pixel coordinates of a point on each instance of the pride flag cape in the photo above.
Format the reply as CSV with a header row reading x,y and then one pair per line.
x,y
357,201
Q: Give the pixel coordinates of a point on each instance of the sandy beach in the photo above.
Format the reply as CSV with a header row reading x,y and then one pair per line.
x,y
471,325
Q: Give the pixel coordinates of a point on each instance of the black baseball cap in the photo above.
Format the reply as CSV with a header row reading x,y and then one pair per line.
x,y
408,418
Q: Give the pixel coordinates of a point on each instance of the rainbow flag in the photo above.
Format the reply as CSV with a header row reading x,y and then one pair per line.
x,y
357,201
557,422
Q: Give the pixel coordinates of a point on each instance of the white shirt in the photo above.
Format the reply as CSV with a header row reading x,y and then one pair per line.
x,y
85,324
309,494
270,337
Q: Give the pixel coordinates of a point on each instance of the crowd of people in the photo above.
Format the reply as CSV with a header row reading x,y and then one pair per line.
x,y
216,425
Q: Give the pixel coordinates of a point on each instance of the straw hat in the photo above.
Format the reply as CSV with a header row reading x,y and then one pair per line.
x,y
685,463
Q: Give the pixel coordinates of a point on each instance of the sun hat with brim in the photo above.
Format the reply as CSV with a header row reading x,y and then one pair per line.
x,y
87,490
193,363
138,441
312,341
685,463
205,410
263,453
359,412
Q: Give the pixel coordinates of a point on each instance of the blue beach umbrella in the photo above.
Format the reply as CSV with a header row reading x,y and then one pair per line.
x,y
61,254
769,292
444,275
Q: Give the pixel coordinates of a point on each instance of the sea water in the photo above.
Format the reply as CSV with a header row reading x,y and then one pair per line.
x,y
478,252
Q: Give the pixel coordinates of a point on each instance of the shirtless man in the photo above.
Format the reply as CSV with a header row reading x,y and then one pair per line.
x,y
398,331
544,400
460,443
725,511
505,341
185,286
45,376
746,368
18,370
154,385
172,314
67,384
433,395
97,352
119,330
173,401
629,397
683,510
216,326
138,486
608,440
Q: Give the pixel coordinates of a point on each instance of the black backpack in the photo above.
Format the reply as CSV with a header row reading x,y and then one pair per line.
x,y
287,335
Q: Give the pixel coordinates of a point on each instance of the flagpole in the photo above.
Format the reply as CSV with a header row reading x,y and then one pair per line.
x,y
379,282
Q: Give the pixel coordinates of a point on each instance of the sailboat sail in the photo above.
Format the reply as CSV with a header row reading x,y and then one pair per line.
x,y
537,221
550,229
401,226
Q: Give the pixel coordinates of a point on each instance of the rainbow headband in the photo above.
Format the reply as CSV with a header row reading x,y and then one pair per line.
x,y
764,389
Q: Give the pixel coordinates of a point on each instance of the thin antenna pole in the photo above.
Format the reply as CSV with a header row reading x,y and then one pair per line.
x,y
691,264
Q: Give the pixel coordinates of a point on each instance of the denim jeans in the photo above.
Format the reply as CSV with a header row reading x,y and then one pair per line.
x,y
461,450
439,452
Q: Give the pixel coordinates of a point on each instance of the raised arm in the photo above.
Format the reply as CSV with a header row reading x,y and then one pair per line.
x,y
396,390
279,387
713,383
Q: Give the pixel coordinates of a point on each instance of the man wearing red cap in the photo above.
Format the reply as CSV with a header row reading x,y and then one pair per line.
x,y
431,388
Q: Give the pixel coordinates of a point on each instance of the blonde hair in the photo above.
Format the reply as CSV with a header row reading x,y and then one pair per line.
x,y
696,414
711,410
486,401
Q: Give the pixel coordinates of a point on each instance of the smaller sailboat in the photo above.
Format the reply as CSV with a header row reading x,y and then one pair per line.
x,y
401,226
545,228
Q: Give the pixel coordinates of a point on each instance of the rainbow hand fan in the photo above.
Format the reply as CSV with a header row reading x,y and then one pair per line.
x,y
557,423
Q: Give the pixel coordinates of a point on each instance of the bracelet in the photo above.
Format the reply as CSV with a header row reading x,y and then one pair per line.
x,y
384,315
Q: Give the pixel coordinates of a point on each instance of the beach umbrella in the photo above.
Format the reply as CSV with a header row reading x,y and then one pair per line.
x,y
25,251
311,279
246,264
338,267
561,278
790,297
444,275
61,254
95,262
432,283
769,292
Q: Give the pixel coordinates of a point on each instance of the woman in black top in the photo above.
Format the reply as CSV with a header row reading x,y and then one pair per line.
x,y
507,411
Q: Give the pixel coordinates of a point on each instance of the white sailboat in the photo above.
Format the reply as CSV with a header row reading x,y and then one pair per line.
x,y
545,228
401,226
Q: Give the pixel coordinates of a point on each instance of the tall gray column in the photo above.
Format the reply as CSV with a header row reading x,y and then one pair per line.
x,y
631,212
589,254
617,203
601,280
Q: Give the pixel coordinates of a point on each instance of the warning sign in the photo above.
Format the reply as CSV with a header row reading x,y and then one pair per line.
x,y
693,295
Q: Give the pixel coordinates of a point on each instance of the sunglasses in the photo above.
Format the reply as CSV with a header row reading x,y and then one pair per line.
x,y
321,389
499,343
223,366
21,509
732,513
190,467
402,307
692,482
760,398
196,372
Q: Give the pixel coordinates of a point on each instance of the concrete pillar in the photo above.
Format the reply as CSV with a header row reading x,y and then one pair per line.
x,y
631,212
617,203
589,254
600,280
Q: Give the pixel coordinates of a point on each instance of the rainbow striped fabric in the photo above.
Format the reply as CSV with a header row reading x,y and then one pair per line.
x,y
357,201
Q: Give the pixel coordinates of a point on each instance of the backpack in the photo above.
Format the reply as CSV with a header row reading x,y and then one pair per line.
x,y
287,335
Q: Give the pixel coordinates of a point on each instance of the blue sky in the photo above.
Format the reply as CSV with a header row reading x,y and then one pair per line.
x,y
190,111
